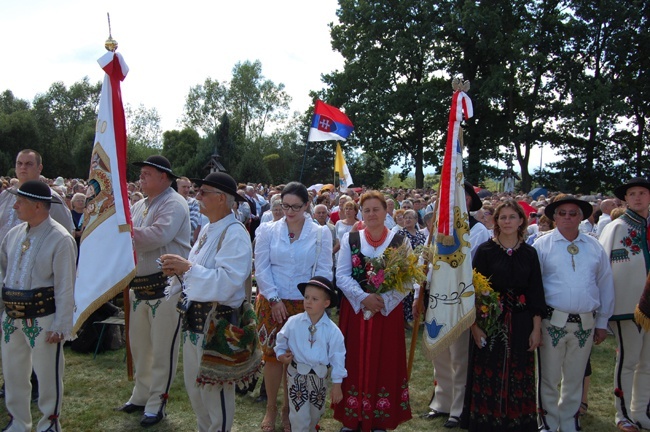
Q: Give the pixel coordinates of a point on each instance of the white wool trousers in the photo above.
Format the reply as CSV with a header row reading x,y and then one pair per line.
x,y
450,375
24,347
213,405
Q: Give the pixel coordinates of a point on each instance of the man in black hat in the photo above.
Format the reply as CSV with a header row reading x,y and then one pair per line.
x,y
213,281
579,292
29,165
450,366
161,225
625,241
37,261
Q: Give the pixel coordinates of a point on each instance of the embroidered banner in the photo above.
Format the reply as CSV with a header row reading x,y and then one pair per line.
x,y
106,256
451,296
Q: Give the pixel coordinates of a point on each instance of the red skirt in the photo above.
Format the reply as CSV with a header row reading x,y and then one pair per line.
x,y
375,392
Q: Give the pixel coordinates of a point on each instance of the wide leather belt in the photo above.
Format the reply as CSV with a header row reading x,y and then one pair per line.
x,y
29,304
150,287
559,318
195,318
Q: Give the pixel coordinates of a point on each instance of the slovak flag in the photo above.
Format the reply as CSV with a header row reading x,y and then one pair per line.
x,y
329,123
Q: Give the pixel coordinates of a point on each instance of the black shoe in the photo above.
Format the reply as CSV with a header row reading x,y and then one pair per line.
x,y
147,421
261,398
130,408
2,391
433,414
452,422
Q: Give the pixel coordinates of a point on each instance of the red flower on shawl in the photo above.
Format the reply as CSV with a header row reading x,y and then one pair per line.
x,y
356,261
367,406
522,299
383,404
405,395
352,402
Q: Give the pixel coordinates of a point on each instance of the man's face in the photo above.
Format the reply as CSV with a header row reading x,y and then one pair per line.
x,y
417,204
320,214
25,208
184,187
26,167
210,199
638,199
567,217
152,181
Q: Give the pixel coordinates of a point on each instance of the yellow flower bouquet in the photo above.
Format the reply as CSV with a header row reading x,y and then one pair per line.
x,y
488,305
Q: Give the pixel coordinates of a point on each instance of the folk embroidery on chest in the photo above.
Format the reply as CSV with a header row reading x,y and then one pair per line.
x,y
633,241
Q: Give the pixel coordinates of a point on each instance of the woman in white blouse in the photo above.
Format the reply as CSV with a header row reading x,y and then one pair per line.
x,y
287,252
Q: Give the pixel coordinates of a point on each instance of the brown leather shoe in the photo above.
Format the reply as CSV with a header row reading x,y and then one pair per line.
x,y
627,426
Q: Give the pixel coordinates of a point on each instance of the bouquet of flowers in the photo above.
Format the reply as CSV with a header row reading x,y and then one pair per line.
x,y
396,269
488,305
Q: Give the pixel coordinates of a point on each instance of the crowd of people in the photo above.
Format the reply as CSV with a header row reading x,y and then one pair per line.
x,y
569,271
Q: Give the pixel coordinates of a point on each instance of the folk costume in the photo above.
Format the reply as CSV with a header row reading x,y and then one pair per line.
x,y
160,226
375,392
279,263
579,292
626,243
215,284
450,366
59,211
317,349
37,266
501,380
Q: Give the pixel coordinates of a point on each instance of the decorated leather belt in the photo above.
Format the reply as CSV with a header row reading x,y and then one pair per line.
x,y
150,287
304,369
195,318
573,318
29,304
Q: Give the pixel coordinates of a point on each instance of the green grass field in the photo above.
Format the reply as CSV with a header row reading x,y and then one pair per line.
x,y
93,388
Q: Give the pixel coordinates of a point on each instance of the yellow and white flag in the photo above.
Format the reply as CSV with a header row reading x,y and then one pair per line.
x,y
341,168
106,257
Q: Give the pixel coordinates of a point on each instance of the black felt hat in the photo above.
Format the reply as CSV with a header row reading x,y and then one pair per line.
x,y
161,163
585,206
34,190
636,181
476,203
221,181
323,283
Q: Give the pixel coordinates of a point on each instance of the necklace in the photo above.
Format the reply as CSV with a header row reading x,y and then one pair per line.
x,y
312,332
202,241
376,243
509,250
24,247
573,250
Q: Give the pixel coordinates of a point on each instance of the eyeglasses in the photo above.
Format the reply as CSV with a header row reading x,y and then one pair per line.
x,y
295,207
409,218
203,192
571,213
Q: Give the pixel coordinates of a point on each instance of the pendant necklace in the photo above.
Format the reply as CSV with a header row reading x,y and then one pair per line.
x,y
312,332
573,250
202,241
24,247
508,250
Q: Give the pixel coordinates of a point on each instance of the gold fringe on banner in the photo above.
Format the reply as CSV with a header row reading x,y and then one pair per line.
x,y
449,338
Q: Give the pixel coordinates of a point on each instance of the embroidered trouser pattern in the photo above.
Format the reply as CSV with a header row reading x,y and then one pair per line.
x,y
23,348
307,395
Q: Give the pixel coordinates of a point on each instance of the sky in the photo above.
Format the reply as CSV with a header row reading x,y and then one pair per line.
x,y
171,47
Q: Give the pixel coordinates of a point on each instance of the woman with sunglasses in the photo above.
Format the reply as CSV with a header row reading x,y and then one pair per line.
x,y
287,251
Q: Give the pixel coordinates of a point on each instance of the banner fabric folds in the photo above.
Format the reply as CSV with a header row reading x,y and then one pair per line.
x,y
106,255
329,123
451,295
340,167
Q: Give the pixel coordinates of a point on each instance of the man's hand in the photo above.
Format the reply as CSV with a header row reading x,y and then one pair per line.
x,y
53,338
600,335
174,265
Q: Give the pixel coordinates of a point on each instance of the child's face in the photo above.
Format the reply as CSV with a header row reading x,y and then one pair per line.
x,y
316,301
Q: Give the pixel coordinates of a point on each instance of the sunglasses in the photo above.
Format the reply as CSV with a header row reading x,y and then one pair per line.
x,y
571,213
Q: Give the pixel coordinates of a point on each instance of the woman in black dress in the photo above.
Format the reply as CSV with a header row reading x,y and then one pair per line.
x,y
501,381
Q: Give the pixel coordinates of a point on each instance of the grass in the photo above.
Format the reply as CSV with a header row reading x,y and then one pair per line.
x,y
93,388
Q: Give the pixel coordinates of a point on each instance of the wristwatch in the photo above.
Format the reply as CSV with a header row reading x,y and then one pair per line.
x,y
274,300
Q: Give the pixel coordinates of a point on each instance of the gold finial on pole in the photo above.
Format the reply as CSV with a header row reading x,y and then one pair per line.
x,y
110,44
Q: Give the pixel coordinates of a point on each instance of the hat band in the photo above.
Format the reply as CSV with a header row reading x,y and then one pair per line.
x,y
39,197
319,284
160,167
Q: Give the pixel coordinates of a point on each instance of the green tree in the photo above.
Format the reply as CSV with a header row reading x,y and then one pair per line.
x,y
66,119
204,104
18,130
390,85
180,147
143,126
